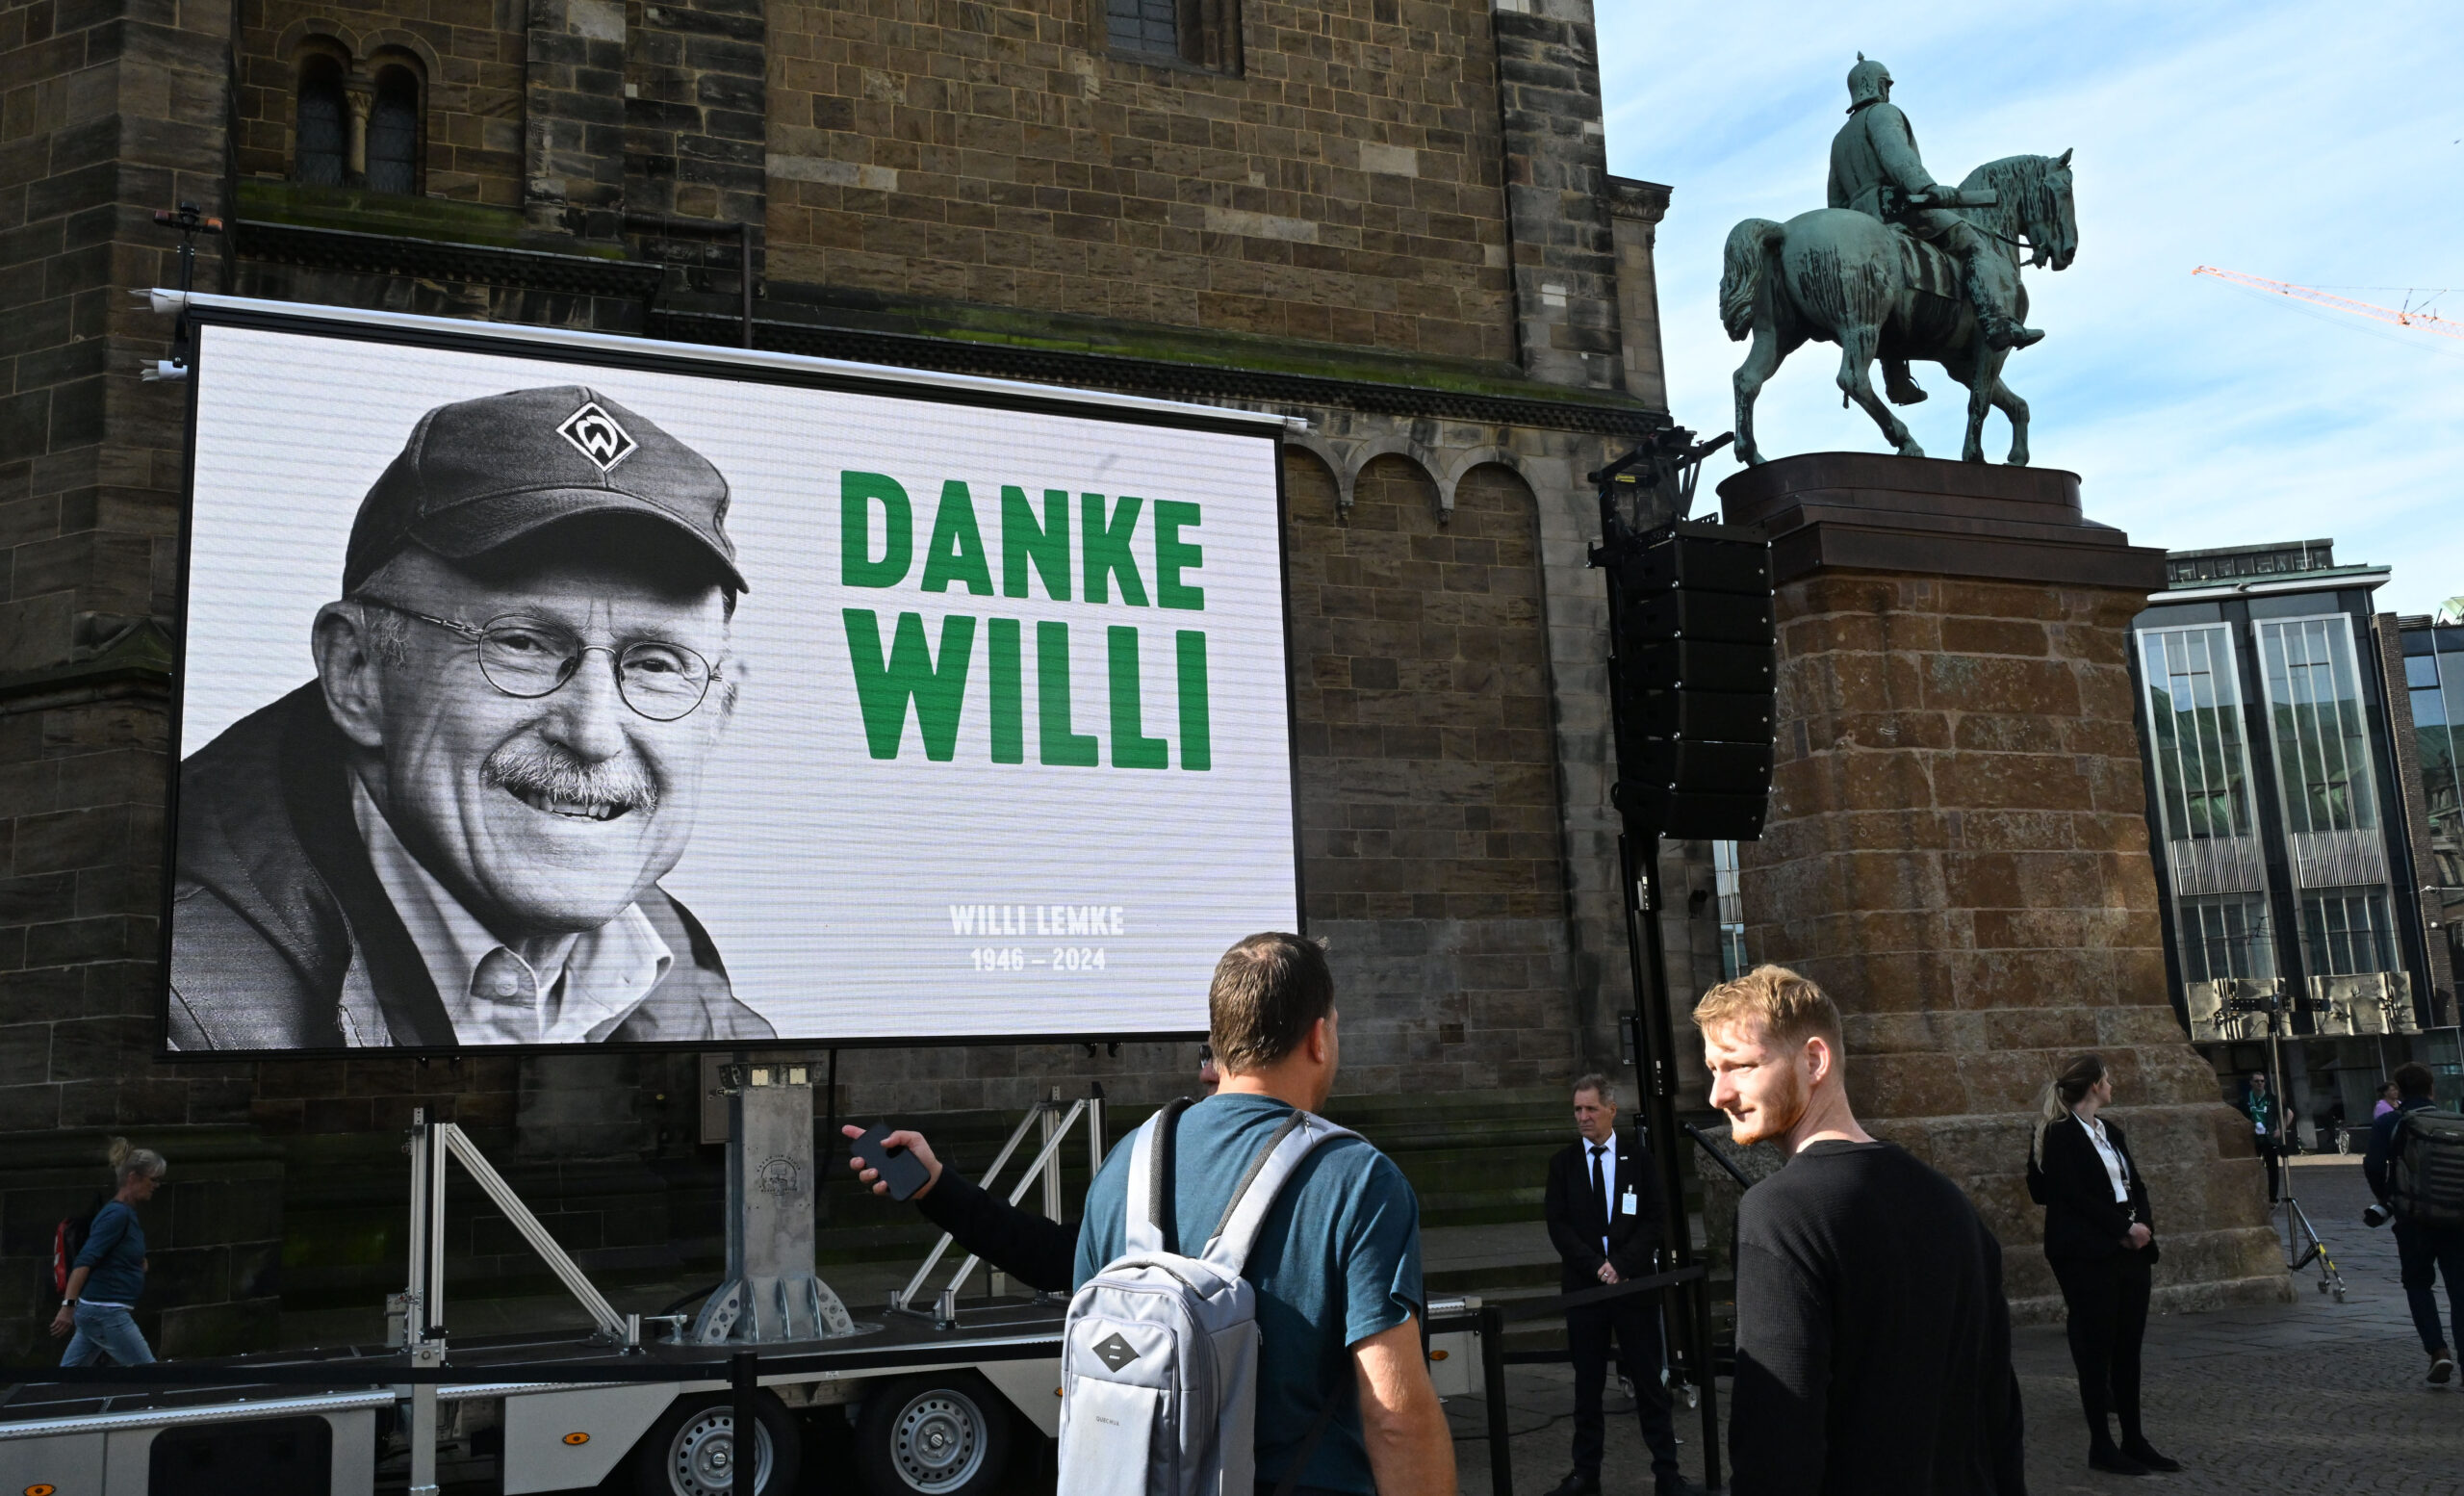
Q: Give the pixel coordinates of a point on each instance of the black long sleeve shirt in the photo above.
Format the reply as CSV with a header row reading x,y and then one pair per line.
x,y
1873,1340
1037,1251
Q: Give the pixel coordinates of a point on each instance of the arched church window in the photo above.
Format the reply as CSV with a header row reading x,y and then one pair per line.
x,y
394,131
322,124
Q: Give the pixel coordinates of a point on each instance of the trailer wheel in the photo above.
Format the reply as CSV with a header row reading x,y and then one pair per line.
x,y
691,1450
940,1434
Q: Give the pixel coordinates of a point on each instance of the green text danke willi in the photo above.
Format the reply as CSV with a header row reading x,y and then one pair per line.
x,y
877,548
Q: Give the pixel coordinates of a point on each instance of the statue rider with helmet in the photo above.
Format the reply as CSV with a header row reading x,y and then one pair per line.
x,y
1875,170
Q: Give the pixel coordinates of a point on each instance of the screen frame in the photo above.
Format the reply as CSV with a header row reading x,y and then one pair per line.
x,y
568,348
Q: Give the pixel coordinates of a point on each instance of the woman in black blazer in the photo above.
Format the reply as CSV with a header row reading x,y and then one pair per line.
x,y
2100,1237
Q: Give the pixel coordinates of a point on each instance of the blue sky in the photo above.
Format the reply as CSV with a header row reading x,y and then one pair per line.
x,y
2312,144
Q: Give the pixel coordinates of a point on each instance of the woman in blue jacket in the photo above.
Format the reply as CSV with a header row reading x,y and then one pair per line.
x,y
110,1271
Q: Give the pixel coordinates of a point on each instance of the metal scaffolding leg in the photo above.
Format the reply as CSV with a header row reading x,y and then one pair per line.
x,y
1052,1127
1046,1167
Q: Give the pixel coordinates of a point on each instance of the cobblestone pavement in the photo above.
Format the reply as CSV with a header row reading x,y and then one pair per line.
x,y
2315,1398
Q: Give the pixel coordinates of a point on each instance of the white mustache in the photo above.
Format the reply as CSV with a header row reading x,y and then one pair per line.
x,y
535,771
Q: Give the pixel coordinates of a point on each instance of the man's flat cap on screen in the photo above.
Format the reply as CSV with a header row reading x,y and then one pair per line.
x,y
480,473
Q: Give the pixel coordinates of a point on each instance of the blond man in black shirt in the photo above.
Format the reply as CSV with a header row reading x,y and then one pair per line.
x,y
1873,1341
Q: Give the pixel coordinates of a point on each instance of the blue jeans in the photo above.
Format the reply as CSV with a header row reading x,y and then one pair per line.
x,y
103,1330
2425,1253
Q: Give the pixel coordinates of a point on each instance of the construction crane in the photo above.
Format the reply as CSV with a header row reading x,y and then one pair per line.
x,y
2422,320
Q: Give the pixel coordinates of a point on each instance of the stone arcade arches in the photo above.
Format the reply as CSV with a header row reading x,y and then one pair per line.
x,y
1428,798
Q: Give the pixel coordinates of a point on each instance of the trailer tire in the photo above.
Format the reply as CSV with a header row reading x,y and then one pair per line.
x,y
676,1457
944,1433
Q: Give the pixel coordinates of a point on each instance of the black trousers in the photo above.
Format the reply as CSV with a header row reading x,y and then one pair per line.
x,y
2271,1153
2108,1302
2423,1252
1634,1324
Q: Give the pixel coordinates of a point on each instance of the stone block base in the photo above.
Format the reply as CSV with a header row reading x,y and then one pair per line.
x,y
1957,848
2232,1293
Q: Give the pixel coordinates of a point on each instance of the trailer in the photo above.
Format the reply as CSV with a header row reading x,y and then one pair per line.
x,y
940,1395
938,1408
935,1390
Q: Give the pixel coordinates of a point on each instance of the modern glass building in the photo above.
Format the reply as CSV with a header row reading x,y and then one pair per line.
x,y
1731,907
2276,810
2433,655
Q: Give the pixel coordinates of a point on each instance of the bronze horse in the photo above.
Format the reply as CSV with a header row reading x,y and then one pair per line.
x,y
1846,277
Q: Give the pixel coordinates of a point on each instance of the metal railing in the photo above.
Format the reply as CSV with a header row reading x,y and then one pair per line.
x,y
1491,1321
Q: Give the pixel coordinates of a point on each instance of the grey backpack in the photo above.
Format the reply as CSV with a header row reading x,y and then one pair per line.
x,y
1159,1355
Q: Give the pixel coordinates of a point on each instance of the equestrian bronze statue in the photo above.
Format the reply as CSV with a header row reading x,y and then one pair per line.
x,y
1899,268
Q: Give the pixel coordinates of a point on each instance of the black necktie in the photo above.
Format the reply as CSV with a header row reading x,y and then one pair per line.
x,y
1599,1190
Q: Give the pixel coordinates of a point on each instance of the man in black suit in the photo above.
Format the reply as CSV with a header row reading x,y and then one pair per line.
x,y
1606,1216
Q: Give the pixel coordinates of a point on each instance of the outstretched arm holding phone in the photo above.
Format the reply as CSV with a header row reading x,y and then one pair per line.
x,y
1036,1251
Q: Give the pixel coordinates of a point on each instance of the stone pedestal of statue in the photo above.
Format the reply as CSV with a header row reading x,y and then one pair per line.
x,y
1956,849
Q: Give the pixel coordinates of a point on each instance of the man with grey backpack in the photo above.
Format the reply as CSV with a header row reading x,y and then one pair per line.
x,y
1250,1279
2416,1168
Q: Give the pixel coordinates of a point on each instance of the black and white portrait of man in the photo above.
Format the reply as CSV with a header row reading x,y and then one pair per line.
x,y
454,835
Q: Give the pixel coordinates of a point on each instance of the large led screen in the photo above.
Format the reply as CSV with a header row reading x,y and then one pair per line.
x,y
553,695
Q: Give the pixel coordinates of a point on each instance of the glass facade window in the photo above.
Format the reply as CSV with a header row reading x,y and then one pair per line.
x,y
1732,910
2434,672
2195,715
2225,935
2315,716
2348,932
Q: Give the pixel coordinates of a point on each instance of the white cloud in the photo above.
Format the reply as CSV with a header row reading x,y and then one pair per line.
x,y
2296,142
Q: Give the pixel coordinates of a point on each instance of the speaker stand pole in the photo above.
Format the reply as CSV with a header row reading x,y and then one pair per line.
x,y
1655,1082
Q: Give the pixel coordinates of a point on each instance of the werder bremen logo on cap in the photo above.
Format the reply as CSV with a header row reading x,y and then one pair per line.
x,y
595,435
1115,1352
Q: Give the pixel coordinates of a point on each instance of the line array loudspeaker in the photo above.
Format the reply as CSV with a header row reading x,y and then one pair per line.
x,y
1694,654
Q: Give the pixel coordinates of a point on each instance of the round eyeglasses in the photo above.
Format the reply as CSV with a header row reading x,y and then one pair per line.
x,y
530,658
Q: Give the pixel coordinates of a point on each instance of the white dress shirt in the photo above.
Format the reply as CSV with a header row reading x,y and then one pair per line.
x,y
2115,1170
1606,1153
493,995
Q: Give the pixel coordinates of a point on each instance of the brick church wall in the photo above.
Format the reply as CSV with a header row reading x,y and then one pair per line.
x,y
470,55
1344,188
1432,857
1340,187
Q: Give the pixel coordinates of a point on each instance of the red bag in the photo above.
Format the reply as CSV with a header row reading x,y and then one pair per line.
x,y
68,1240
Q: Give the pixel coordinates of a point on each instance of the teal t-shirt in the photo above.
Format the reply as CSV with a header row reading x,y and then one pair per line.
x,y
1337,1261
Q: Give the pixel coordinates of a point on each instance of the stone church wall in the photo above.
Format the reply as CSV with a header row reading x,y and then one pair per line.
x,y
469,56
1311,221
1343,187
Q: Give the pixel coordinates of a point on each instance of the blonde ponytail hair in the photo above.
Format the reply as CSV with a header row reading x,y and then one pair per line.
x,y
2066,1091
128,1163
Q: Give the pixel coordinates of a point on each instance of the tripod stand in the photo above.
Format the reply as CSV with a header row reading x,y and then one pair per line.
x,y
2303,1243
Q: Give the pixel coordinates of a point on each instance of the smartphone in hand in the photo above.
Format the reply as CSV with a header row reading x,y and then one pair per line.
x,y
901,1171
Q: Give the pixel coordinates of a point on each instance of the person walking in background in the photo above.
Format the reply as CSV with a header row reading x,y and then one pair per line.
x,y
2425,1251
1608,1216
2388,1097
2331,1127
110,1271
2267,1125
1873,1339
2100,1234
